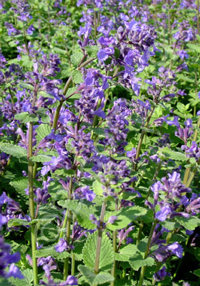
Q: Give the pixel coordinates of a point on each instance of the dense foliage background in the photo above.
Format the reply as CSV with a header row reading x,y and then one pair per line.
x,y
99,141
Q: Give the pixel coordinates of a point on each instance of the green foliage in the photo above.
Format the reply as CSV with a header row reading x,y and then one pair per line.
x,y
106,256
137,261
13,150
25,117
81,211
94,279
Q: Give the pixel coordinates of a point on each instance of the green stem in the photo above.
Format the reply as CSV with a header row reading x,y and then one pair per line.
x,y
31,204
73,264
66,268
139,233
142,273
142,137
67,85
67,225
99,238
114,249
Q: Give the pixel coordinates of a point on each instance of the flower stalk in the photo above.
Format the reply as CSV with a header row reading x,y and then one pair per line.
x,y
99,238
142,272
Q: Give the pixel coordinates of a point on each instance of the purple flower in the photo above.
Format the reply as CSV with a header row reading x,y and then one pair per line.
x,y
61,246
176,249
103,54
163,213
172,122
84,193
14,272
30,30
8,259
3,220
161,274
71,280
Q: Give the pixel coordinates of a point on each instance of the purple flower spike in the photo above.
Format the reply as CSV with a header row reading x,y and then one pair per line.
x,y
105,53
14,272
161,274
71,280
61,246
3,220
163,213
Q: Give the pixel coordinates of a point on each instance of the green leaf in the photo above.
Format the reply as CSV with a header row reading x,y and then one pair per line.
x,y
26,85
106,255
194,47
20,185
25,117
77,77
173,155
81,211
28,278
197,272
41,112
50,251
92,279
42,131
138,261
5,282
185,78
17,222
13,150
76,57
92,51
188,223
170,225
126,252
40,158
125,216
98,188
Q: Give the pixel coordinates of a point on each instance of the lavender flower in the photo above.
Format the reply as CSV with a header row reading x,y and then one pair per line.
x,y
161,274
63,246
9,259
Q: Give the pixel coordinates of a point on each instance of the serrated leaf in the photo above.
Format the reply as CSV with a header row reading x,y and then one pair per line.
x,y
17,222
98,188
173,155
26,117
92,279
42,131
81,211
188,223
50,251
20,185
76,57
13,150
138,261
40,158
92,50
184,78
70,91
106,255
77,77
26,85
194,47
126,252
125,216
